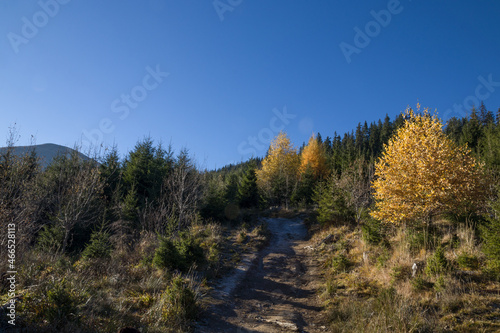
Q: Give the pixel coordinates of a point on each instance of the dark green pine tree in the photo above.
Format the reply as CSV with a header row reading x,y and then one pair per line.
x,y
471,132
386,131
331,201
110,173
486,118
398,122
248,193
365,133
111,177
359,140
490,147
162,166
305,188
328,146
145,169
454,128
319,138
491,237
130,211
348,149
214,201
137,170
335,159
232,184
374,140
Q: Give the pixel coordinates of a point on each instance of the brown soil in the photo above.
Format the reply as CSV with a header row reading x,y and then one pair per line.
x,y
274,290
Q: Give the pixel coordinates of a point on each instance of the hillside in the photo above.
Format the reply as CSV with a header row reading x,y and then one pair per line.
x,y
45,152
393,227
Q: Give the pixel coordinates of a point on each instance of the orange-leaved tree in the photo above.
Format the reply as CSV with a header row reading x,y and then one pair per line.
x,y
313,156
422,173
278,174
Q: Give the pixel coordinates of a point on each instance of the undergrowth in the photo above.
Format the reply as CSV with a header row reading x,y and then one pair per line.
x,y
391,279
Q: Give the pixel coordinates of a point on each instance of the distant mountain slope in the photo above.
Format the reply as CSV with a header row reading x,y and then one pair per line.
x,y
46,152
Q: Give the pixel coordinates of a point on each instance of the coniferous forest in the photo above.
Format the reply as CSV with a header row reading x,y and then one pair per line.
x,y
403,215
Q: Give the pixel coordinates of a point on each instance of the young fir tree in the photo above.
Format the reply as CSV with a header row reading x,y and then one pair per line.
x,y
214,199
491,237
472,131
110,171
331,201
303,193
130,210
248,193
146,168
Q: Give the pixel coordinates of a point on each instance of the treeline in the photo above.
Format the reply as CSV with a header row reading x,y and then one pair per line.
x,y
151,189
481,132
79,222
156,210
155,190
353,152
348,161
417,231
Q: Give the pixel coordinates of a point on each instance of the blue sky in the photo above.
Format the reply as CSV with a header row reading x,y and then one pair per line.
x,y
221,77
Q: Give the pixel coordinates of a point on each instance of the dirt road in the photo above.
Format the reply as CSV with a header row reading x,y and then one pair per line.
x,y
270,291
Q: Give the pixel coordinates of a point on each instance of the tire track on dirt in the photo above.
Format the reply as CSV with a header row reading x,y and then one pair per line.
x,y
270,291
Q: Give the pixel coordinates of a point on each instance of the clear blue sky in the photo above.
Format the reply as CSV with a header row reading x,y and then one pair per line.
x,y
73,66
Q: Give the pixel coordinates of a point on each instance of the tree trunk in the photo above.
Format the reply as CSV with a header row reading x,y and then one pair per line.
x,y
65,240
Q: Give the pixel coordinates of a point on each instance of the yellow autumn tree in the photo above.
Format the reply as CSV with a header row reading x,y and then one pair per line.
x,y
278,174
422,173
313,157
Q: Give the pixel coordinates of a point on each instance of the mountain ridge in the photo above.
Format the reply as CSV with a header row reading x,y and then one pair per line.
x,y
46,152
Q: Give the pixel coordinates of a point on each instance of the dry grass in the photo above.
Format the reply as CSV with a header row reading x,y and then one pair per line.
x,y
65,294
379,294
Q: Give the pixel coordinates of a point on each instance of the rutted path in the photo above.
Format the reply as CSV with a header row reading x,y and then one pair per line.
x,y
270,291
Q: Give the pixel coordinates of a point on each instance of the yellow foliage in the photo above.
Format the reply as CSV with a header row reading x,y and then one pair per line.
x,y
422,173
281,164
313,156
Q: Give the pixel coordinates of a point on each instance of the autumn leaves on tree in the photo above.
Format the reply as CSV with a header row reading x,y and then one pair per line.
x,y
421,173
278,174
284,169
313,156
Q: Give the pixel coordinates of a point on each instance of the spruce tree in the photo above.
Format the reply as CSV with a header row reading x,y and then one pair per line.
x,y
214,200
248,193
111,171
486,118
130,210
331,201
471,132
491,237
146,168
305,188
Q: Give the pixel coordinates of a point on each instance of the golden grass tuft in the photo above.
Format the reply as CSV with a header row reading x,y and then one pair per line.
x,y
379,294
